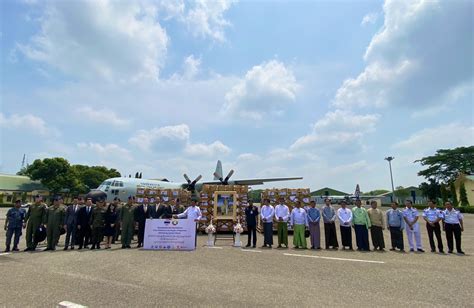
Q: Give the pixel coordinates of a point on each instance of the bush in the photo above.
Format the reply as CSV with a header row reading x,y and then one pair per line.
x,y
466,209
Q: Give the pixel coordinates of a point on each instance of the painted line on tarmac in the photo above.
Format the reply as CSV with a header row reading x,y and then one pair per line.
x,y
68,304
5,253
332,258
213,247
248,250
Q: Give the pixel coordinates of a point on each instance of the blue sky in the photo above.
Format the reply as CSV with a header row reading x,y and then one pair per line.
x,y
319,89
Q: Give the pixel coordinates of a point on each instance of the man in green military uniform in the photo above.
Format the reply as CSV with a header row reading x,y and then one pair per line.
x,y
127,223
34,218
54,222
97,223
118,205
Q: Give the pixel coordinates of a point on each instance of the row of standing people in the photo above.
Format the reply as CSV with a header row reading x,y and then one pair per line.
x,y
83,222
362,221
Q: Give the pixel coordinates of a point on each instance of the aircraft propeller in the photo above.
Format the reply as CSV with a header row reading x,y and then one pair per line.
x,y
191,184
226,180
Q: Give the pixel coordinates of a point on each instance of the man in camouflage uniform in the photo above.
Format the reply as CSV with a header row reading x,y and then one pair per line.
x,y
127,223
34,218
118,206
97,224
54,222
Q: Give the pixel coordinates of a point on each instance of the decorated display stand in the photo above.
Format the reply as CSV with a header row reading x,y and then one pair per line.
x,y
223,207
289,195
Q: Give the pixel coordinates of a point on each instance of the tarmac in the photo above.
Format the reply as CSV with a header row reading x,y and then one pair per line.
x,y
227,276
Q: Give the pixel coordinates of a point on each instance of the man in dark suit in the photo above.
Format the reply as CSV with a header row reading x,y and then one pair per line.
x,y
83,223
165,211
154,208
251,213
141,214
70,220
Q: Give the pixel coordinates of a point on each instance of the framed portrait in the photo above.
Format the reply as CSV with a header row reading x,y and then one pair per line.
x,y
225,205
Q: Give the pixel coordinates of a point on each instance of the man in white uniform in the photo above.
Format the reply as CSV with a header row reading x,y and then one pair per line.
x,y
410,215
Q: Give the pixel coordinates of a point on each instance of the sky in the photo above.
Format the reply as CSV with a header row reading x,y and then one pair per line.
x,y
319,89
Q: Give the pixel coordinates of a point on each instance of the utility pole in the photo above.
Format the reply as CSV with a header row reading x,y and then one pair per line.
x,y
389,159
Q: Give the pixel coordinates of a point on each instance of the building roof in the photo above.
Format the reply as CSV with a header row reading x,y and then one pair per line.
x,y
330,191
10,182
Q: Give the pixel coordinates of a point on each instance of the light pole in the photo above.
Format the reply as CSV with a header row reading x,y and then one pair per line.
x,y
389,159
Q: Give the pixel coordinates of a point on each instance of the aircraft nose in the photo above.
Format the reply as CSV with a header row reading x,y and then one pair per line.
x,y
96,194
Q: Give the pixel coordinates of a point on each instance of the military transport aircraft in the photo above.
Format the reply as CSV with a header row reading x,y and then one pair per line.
x,y
123,187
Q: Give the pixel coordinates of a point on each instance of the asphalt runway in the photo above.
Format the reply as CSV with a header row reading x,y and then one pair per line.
x,y
235,277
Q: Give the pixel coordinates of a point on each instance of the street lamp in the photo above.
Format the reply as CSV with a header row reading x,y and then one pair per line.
x,y
389,159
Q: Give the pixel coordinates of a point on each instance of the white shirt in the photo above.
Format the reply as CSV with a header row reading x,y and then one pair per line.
x,y
281,210
145,207
266,213
452,217
410,214
299,217
345,217
192,212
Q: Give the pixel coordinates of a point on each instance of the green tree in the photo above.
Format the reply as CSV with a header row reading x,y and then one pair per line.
x,y
447,164
431,189
444,193
55,173
463,195
255,195
454,196
92,177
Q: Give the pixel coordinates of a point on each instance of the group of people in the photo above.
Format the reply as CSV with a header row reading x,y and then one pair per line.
x,y
305,222
84,223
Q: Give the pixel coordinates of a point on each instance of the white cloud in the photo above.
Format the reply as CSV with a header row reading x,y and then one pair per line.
x,y
144,139
191,67
103,116
206,18
266,88
28,122
107,150
111,40
176,140
428,140
418,57
248,157
210,150
336,128
370,18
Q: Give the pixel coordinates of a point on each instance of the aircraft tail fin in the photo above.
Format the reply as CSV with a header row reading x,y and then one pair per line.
x,y
218,170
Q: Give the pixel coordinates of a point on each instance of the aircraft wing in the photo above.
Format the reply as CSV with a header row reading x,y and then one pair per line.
x,y
254,181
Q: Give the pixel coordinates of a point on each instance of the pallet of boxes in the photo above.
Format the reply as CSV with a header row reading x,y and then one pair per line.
x,y
225,204
290,197
182,196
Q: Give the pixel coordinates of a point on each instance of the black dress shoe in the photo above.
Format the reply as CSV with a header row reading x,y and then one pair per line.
x,y
450,251
27,249
65,248
92,248
15,249
123,246
72,247
461,252
248,245
420,250
7,249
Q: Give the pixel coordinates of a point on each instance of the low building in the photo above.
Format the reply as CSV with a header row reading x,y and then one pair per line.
x,y
468,181
13,187
411,193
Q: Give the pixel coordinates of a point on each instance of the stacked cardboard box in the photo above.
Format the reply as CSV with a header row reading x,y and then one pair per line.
x,y
290,196
165,195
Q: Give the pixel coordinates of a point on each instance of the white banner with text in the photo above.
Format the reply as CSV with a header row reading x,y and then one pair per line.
x,y
170,234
